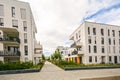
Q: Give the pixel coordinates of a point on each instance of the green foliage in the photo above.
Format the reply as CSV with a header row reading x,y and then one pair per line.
x,y
17,65
43,57
56,56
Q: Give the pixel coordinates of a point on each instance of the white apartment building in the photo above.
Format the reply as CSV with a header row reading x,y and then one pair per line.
x,y
95,43
38,52
17,31
63,51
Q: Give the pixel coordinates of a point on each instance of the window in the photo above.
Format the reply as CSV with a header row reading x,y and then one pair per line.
x,y
95,40
95,58
94,31
88,30
110,58
1,10
108,32
108,49
23,13
25,26
102,32
114,41
113,33
13,11
26,50
113,49
102,40
119,41
90,58
119,49
1,22
103,50
119,33
95,49
76,36
25,37
109,40
89,39
89,49
15,23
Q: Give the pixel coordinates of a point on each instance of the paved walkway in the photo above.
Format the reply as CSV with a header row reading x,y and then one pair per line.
x,y
52,72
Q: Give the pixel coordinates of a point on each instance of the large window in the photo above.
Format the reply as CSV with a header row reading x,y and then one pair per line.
x,y
114,41
119,33
95,58
108,32
1,22
25,37
94,31
89,49
110,58
88,30
13,11
26,50
15,23
76,35
113,49
89,39
113,33
102,40
23,13
95,49
102,32
103,49
1,10
109,40
90,58
25,26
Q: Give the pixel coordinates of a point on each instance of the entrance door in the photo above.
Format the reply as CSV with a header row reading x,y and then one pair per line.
x,y
115,59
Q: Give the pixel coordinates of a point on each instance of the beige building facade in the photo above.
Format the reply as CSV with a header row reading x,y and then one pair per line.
x,y
17,31
95,43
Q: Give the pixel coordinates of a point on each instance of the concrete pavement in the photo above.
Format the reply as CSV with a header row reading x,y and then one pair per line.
x,y
52,72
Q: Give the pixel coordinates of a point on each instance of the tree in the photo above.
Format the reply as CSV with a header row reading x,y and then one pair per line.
x,y
43,57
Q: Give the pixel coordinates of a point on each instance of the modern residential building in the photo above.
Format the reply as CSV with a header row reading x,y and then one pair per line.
x,y
95,43
38,52
17,31
63,51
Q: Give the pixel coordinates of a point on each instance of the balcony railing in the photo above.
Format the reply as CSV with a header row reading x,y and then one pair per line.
x,y
9,53
11,39
79,52
75,45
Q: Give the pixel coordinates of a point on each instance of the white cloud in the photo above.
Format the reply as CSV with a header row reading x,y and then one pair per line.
x,y
57,19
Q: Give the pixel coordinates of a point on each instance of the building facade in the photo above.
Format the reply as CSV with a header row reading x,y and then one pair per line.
x,y
17,31
95,43
38,53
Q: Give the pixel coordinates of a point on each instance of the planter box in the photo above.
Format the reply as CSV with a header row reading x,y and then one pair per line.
x,y
89,68
19,71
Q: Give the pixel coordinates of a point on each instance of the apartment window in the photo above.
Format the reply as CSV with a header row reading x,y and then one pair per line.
x,y
119,49
15,23
113,33
95,58
13,11
95,40
114,41
110,58
90,58
109,41
102,40
1,10
1,22
113,49
119,41
95,49
103,49
119,33
25,25
102,32
94,31
23,13
108,32
26,50
25,37
89,39
108,49
88,30
89,49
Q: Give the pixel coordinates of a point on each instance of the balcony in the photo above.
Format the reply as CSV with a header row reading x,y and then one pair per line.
x,y
10,40
9,53
79,53
75,45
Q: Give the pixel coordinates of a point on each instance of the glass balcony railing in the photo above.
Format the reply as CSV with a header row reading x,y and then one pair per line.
x,y
9,53
11,39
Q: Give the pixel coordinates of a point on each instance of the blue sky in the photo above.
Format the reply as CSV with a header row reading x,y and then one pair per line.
x,y
57,19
